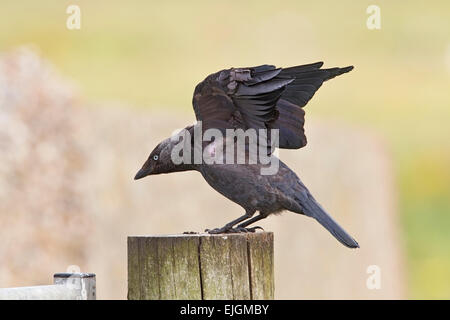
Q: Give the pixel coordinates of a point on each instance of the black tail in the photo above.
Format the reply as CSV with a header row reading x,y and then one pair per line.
x,y
313,209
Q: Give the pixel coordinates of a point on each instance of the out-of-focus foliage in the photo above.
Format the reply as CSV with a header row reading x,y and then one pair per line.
x,y
43,219
152,53
68,198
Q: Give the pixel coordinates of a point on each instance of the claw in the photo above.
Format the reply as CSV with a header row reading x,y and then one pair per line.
x,y
251,229
217,230
233,230
248,230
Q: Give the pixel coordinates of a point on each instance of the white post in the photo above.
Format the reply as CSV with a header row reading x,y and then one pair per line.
x,y
67,286
83,283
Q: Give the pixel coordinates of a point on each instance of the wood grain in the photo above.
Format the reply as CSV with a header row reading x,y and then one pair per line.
x,y
201,266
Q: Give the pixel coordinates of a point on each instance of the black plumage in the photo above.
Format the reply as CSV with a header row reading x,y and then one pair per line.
x,y
262,97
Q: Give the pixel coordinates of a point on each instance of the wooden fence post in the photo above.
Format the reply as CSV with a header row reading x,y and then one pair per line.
x,y
201,266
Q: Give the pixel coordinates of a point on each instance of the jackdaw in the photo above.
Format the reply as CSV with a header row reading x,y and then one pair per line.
x,y
262,97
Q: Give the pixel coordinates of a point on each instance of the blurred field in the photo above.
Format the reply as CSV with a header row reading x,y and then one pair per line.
x,y
68,185
357,187
152,54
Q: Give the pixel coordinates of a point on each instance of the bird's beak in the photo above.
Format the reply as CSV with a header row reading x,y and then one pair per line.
x,y
141,173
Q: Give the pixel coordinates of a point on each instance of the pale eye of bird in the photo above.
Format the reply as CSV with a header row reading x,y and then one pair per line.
x,y
155,157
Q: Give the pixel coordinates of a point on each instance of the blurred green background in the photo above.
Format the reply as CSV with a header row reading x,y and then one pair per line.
x,y
152,54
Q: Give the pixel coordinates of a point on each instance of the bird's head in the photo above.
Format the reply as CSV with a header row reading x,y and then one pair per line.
x,y
159,160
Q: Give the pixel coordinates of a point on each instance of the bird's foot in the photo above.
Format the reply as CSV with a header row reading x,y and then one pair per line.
x,y
251,229
218,230
233,230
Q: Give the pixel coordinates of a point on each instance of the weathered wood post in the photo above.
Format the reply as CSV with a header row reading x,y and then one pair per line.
x,y
201,266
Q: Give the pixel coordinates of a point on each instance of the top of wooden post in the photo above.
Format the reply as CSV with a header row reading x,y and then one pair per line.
x,y
202,234
201,266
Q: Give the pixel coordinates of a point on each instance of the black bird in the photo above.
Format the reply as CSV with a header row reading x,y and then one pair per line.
x,y
262,97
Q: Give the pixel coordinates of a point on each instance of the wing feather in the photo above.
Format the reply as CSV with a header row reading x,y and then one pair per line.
x,y
262,97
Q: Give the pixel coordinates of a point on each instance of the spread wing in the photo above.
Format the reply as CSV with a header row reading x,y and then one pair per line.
x,y
263,97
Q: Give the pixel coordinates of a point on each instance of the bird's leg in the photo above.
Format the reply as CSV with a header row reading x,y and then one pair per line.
x,y
252,220
229,226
